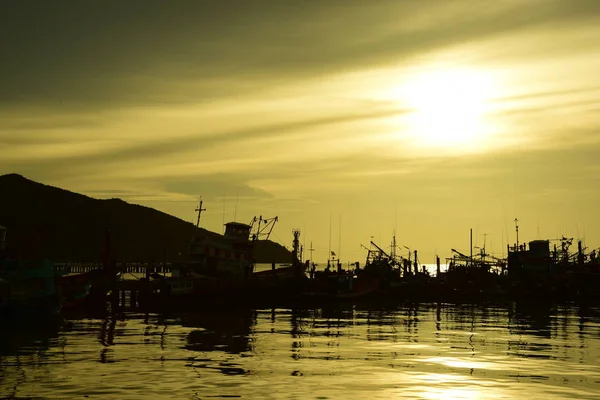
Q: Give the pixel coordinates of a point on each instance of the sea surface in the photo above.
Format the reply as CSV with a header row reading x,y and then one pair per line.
x,y
410,351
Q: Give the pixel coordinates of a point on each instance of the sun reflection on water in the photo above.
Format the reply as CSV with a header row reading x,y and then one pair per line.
x,y
487,353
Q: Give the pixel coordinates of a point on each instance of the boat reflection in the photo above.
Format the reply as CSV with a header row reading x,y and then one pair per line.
x,y
229,332
428,350
29,337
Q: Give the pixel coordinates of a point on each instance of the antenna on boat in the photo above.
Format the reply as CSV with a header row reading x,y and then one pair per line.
x,y
471,244
237,198
409,251
502,243
340,239
311,252
304,239
517,231
224,201
393,246
394,233
506,232
483,251
329,254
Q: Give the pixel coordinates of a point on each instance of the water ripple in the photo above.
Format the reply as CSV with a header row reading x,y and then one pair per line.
x,y
428,351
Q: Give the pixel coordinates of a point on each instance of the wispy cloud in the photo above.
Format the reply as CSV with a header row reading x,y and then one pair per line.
x,y
292,106
118,53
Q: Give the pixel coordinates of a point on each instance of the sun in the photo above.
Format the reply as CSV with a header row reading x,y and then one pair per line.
x,y
448,108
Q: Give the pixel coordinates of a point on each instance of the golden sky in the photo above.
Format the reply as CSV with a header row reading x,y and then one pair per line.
x,y
430,117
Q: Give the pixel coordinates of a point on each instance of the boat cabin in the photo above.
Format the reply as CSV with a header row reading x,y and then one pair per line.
x,y
533,260
228,256
180,286
237,230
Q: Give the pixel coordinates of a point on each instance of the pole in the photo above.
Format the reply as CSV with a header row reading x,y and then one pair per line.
x,y
471,245
329,254
517,230
340,239
224,200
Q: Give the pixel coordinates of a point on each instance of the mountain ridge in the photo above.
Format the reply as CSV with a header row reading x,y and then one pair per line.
x,y
45,221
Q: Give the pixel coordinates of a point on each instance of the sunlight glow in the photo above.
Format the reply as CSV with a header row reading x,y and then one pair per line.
x,y
449,108
466,393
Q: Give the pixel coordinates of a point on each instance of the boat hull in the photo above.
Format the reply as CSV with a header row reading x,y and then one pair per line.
x,y
197,293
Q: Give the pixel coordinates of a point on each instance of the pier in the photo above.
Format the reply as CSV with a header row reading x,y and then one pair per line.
x,y
126,284
123,267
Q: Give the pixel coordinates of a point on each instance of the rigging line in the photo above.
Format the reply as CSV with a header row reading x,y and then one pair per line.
x,y
237,199
329,254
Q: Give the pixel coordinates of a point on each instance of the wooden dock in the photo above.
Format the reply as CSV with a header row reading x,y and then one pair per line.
x,y
123,267
128,292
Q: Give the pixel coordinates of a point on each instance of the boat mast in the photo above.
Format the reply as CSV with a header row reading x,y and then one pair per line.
x,y
329,254
303,244
197,227
199,210
340,239
483,251
393,252
471,246
517,230
224,203
296,246
237,199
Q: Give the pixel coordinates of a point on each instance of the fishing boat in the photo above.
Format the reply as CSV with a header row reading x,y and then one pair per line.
x,y
220,268
397,276
388,269
340,286
28,287
336,283
36,287
537,271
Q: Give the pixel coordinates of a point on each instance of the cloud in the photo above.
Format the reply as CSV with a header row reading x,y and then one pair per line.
x,y
85,151
278,89
187,189
213,187
25,129
278,103
137,196
114,53
501,175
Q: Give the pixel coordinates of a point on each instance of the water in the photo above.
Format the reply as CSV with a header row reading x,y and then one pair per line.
x,y
426,351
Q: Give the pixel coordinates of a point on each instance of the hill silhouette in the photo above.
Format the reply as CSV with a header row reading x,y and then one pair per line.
x,y
48,222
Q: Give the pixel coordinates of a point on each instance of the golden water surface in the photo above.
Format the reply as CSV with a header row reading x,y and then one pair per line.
x,y
426,351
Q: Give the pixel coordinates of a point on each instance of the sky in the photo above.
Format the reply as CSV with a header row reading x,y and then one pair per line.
x,y
348,120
